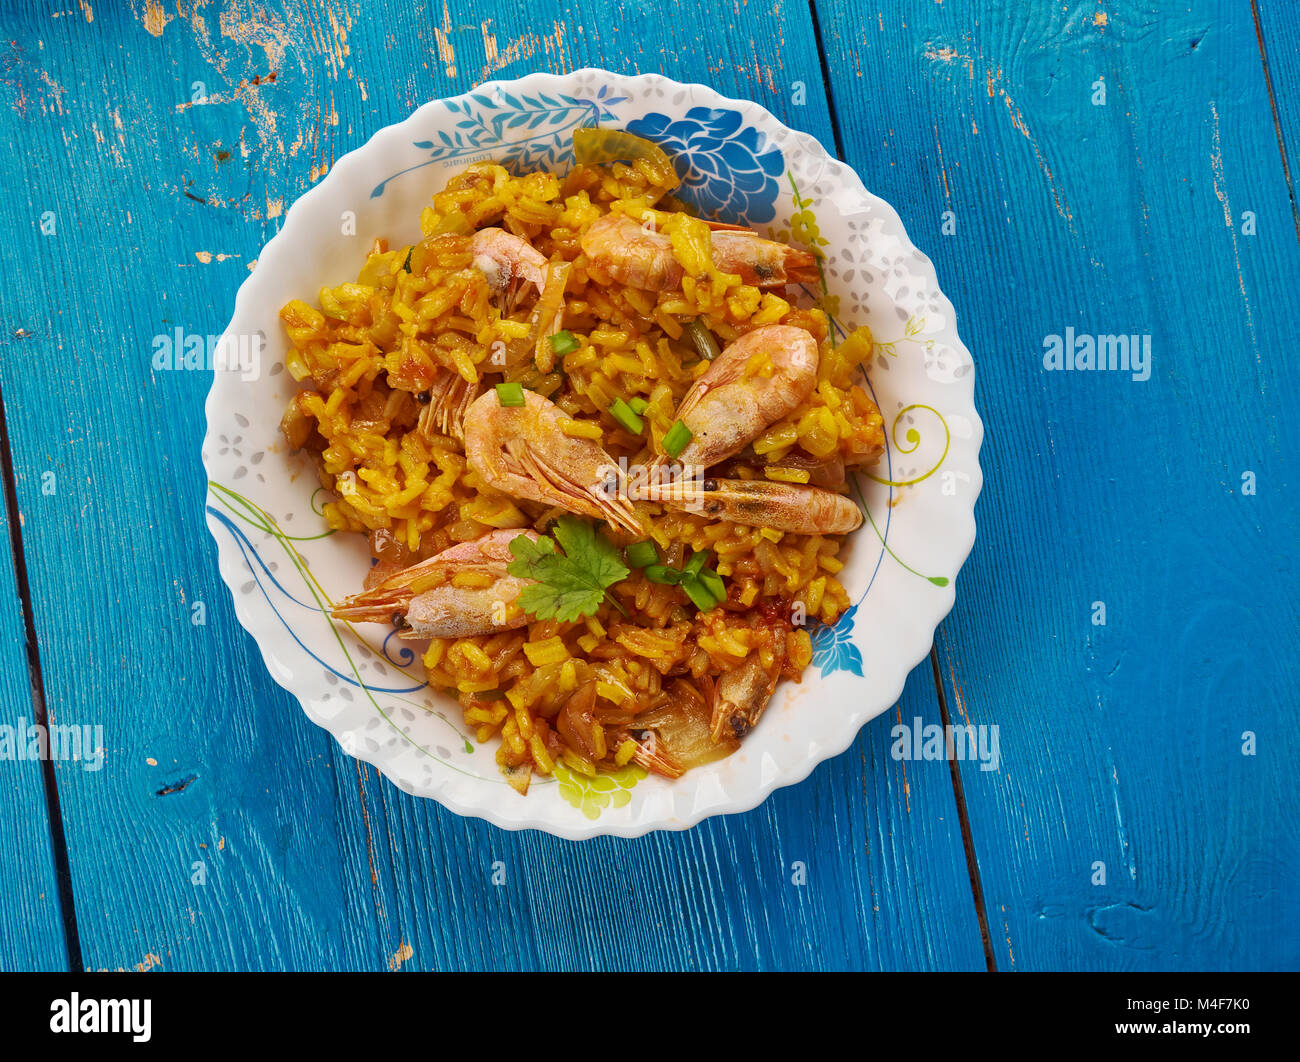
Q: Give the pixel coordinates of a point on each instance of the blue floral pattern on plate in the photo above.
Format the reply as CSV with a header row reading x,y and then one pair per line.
x,y
833,648
521,132
729,170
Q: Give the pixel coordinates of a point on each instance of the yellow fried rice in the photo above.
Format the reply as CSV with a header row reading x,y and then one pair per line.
x,y
368,351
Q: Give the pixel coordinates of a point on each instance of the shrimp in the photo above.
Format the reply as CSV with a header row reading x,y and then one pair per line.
x,y
619,247
504,258
760,503
462,591
762,263
507,260
740,698
522,451
450,395
757,380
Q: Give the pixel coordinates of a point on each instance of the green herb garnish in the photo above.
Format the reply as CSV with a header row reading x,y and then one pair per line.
x,y
663,575
677,438
697,562
699,594
626,417
713,583
407,264
638,405
571,584
510,394
640,554
702,584
564,342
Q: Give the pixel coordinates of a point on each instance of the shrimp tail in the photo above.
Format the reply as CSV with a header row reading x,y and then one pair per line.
x,y
802,268
788,507
423,611
650,757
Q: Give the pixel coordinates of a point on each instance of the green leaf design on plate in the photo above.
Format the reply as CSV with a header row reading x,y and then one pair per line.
x,y
591,796
804,229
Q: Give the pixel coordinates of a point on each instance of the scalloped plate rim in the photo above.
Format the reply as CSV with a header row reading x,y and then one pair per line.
x,y
816,753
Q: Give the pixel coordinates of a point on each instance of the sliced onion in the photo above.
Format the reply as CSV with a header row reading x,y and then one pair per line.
x,y
576,724
452,224
682,728
591,146
548,308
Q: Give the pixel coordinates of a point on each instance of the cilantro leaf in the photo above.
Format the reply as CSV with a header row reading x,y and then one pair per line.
x,y
569,584
603,559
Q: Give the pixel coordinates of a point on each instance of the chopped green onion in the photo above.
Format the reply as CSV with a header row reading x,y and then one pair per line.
x,y
563,342
489,695
699,594
697,562
626,417
713,583
639,405
663,575
510,394
640,554
407,264
677,438
702,339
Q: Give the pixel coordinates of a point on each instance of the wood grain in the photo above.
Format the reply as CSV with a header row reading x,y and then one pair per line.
x,y
1122,744
169,146
1278,35
31,928
877,841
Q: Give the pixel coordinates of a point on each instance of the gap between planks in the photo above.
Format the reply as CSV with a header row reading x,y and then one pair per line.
x,y
1277,121
967,841
40,716
959,796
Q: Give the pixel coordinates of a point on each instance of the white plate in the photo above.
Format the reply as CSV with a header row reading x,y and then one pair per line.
x,y
368,689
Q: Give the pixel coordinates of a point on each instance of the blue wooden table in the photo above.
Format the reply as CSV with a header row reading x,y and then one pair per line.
x,y
1128,618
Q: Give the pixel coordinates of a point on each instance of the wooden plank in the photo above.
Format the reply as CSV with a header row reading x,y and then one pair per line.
x,y
1278,34
1121,744
29,901
170,147
856,868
